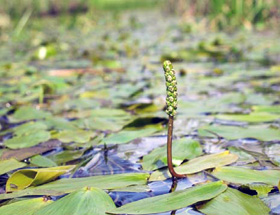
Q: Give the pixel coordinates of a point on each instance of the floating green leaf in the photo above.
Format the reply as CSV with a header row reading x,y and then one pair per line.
x,y
79,136
28,113
126,136
67,185
24,178
252,117
172,201
268,109
9,165
198,164
241,175
26,207
234,132
182,149
28,140
42,161
89,200
233,202
261,189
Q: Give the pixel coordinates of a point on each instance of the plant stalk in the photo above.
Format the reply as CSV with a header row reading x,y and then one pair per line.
x,y
169,150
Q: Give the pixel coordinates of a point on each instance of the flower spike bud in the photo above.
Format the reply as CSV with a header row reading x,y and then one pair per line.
x,y
171,88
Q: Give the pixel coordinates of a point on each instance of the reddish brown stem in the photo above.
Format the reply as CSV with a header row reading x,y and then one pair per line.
x,y
169,150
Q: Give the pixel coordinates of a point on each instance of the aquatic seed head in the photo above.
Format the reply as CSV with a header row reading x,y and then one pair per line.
x,y
171,88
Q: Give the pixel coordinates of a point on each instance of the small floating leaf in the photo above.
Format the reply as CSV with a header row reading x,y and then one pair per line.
x,y
79,136
126,136
172,201
233,202
86,201
24,178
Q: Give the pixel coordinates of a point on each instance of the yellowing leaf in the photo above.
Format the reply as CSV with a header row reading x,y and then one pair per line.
x,y
24,178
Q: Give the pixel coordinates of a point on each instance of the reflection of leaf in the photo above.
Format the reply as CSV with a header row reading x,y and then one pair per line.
x,y
32,177
200,163
273,152
182,149
241,175
172,201
233,202
126,136
233,132
86,201
243,156
28,140
67,185
26,207
9,165
253,117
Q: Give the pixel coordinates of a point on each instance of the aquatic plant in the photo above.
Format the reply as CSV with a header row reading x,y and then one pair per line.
x,y
171,107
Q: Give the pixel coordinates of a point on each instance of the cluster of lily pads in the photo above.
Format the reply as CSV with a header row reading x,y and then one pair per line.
x,y
86,122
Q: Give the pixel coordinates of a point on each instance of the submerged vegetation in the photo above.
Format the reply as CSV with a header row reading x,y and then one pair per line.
x,y
82,122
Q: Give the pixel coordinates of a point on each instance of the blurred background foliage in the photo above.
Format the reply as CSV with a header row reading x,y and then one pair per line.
x,y
218,14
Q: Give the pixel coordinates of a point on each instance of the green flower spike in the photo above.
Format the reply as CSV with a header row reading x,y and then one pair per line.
x,y
171,88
